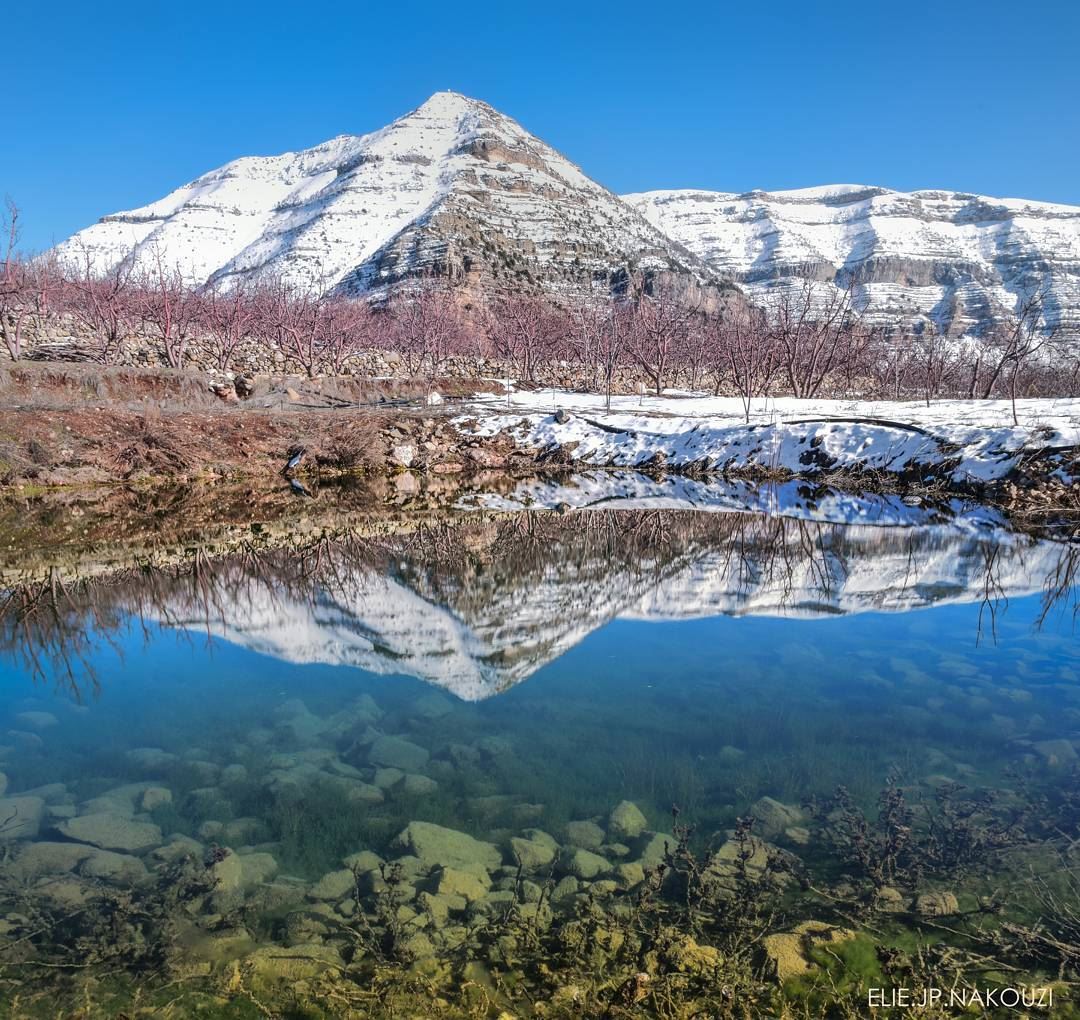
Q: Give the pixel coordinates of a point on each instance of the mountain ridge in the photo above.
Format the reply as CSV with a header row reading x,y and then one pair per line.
x,y
458,189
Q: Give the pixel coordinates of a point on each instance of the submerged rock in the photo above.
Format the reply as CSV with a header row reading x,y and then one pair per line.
x,y
789,952
37,859
396,752
587,835
532,854
651,848
419,786
435,845
626,821
117,869
3,784
582,863
111,831
20,817
155,797
771,817
334,886
936,904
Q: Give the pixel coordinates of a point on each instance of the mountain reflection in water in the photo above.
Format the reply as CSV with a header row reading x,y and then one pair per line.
x,y
476,606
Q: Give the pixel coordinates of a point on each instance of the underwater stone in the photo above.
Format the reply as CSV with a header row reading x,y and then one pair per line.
x,y
582,863
112,832
419,786
494,747
588,835
154,797
151,759
20,817
363,860
626,821
233,774
385,778
453,882
301,961
178,846
439,906
630,873
651,848
333,886
435,845
532,854
772,817
37,859
396,752
789,952
567,886
936,904
211,829
431,706
114,868
240,831
3,784
730,755
889,900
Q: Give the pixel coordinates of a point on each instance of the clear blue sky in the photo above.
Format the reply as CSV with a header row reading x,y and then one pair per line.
x,y
110,105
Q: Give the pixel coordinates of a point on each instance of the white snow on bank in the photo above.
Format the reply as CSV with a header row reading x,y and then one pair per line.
x,y
976,441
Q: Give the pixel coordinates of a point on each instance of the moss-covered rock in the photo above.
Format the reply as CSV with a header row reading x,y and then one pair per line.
x,y
626,822
437,846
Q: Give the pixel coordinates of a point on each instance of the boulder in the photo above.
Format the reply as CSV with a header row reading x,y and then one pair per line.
x,y
363,860
398,753
20,817
419,786
582,863
626,822
587,835
435,845
532,854
789,952
453,882
37,859
155,797
386,778
334,886
936,904
651,847
111,831
771,817
114,868
3,784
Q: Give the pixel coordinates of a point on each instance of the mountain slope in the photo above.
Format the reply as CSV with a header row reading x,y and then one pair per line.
x,y
962,259
454,186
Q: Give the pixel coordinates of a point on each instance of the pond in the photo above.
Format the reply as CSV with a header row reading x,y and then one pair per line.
x,y
644,755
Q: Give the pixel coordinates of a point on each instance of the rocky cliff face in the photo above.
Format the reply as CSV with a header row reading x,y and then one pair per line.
x,y
453,187
964,260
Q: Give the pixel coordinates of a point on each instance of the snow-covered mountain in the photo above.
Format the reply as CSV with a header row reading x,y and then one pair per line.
x,y
454,186
963,259
458,188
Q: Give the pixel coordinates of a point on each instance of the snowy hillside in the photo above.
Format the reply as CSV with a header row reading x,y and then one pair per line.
x,y
963,259
454,184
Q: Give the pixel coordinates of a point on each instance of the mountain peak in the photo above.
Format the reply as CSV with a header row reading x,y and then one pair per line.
x,y
453,187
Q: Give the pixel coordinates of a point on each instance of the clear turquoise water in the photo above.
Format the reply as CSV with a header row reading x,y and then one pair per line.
x,y
709,714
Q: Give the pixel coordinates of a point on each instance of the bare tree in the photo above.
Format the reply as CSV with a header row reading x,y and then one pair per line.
x,y
229,318
104,303
662,317
168,305
813,328
523,329
745,353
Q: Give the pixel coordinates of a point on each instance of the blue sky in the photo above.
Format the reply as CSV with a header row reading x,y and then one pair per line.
x,y
109,106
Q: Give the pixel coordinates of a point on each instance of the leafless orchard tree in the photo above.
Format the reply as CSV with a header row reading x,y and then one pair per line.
x,y
662,317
